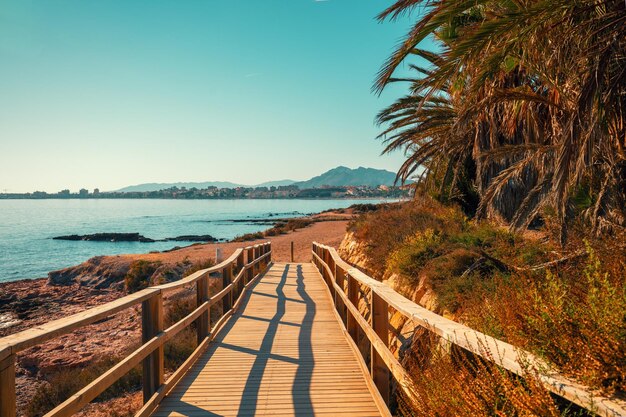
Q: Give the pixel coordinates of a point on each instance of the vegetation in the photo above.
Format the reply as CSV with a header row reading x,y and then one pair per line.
x,y
516,116
139,275
178,349
144,273
521,109
280,228
452,384
62,384
566,306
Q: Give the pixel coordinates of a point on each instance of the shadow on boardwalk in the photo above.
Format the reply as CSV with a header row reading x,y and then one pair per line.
x,y
305,362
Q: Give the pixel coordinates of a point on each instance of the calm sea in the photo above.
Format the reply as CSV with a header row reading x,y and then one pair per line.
x,y
27,249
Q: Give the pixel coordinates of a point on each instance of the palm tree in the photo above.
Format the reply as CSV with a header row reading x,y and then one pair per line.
x,y
532,92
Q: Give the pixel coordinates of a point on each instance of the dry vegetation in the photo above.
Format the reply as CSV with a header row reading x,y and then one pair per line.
x,y
61,384
280,228
566,305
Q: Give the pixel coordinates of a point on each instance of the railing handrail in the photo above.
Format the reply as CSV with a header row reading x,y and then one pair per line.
x,y
508,356
153,334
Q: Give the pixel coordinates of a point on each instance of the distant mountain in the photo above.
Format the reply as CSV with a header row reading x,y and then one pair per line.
x,y
343,176
154,186
275,183
336,177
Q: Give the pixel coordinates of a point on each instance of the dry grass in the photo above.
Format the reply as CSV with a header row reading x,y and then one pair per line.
x,y
280,228
60,385
451,382
572,313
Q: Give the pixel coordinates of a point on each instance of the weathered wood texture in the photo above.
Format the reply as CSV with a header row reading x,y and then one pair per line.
x,y
380,297
282,353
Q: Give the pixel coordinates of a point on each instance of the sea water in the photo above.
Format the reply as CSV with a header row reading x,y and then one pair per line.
x,y
27,227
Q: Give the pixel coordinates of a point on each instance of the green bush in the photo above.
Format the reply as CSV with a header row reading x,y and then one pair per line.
x,y
139,275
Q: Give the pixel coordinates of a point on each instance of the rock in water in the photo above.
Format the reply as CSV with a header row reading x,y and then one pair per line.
x,y
107,237
192,238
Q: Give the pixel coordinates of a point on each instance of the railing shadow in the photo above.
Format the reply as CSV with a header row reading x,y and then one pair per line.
x,y
302,399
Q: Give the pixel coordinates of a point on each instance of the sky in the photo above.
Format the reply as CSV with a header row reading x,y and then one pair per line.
x,y
109,93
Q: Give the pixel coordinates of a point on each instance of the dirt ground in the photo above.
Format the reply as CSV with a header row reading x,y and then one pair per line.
x,y
326,232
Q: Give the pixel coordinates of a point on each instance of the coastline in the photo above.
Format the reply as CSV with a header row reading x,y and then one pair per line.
x,y
30,302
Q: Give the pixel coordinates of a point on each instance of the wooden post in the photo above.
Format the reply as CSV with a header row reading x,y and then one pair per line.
x,y
380,324
353,296
329,261
263,251
151,325
240,264
203,323
340,279
7,387
227,277
292,251
249,258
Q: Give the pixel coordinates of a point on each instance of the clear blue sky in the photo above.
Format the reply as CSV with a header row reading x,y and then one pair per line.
x,y
108,93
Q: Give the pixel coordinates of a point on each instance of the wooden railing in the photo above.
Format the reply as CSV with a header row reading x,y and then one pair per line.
x,y
349,287
238,272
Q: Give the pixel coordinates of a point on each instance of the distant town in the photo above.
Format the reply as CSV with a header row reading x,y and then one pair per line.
x,y
285,192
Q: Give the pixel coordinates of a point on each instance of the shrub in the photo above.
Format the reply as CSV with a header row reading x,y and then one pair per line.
x,y
451,382
199,265
414,252
288,226
384,230
139,275
523,289
177,308
248,236
178,349
576,320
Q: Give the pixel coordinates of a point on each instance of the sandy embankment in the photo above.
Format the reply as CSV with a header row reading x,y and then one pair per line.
x,y
29,303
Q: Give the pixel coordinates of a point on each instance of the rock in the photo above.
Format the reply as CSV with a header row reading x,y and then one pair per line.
x,y
192,238
107,237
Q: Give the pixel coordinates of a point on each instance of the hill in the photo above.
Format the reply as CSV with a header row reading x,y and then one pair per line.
x,y
155,186
275,183
344,176
336,177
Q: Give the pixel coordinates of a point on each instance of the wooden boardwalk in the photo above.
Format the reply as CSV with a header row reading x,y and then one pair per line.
x,y
283,353
279,347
